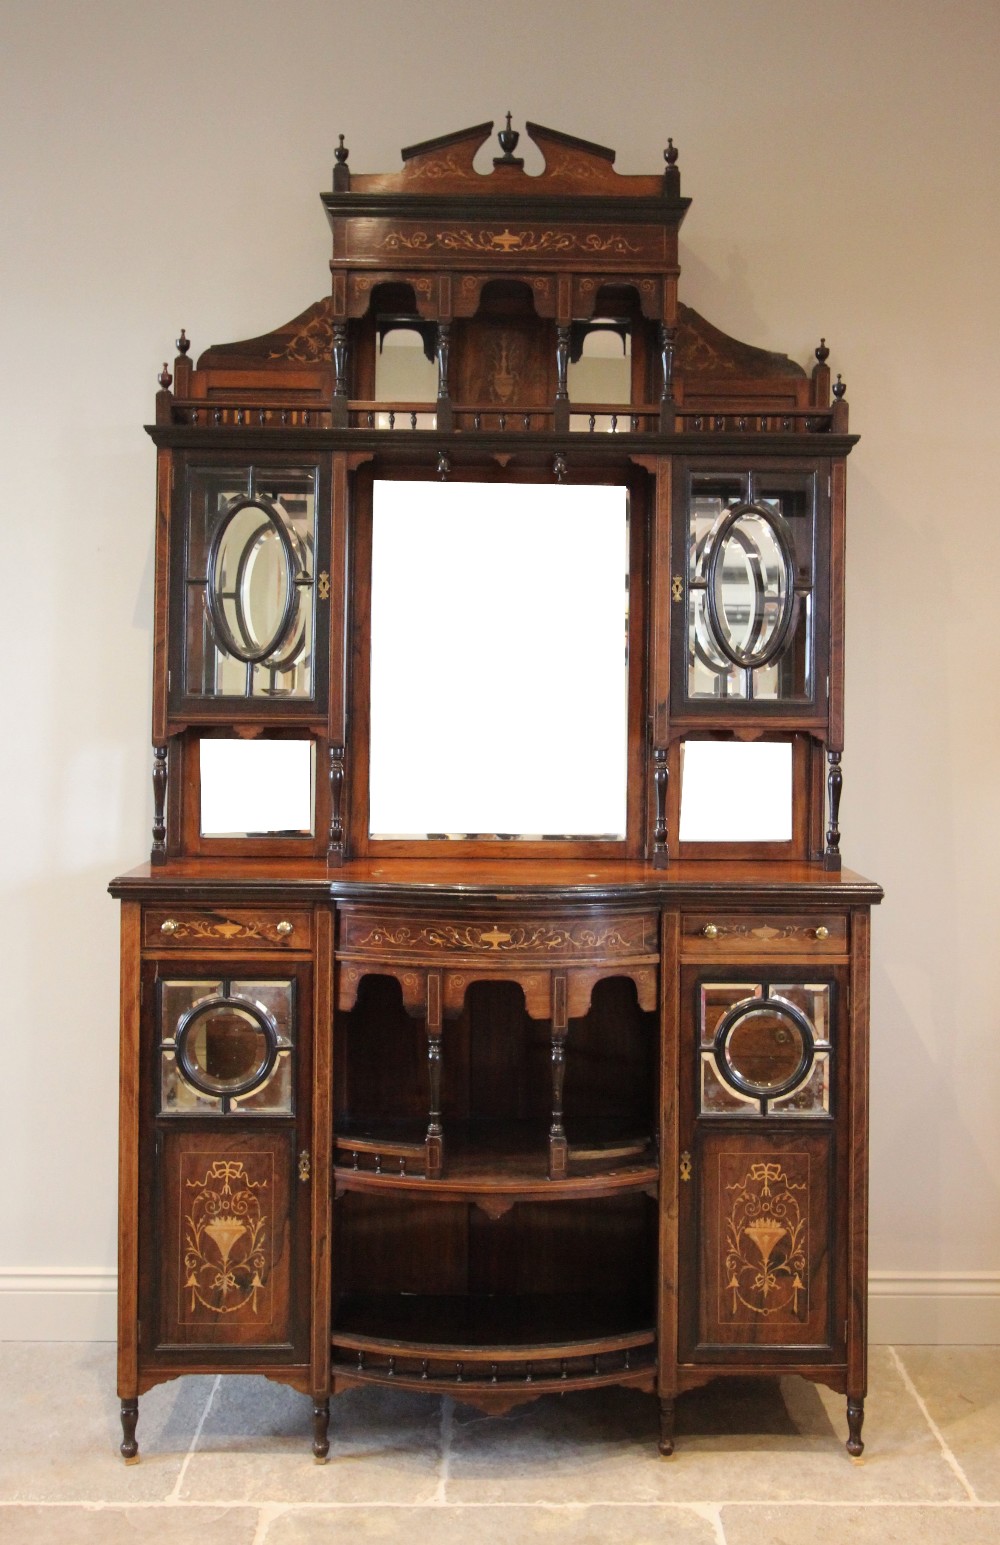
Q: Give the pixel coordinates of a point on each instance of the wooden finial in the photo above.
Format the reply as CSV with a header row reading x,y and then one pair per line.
x,y
671,172
839,388
165,379
508,138
822,353
341,172
183,342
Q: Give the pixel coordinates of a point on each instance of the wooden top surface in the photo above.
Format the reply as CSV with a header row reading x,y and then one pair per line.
x,y
551,881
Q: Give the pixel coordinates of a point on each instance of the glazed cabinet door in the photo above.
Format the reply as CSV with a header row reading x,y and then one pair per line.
x,y
762,1166
224,1242
249,590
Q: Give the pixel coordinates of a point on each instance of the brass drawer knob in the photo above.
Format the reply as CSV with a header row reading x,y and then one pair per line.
x,y
284,928
822,933
710,931
169,925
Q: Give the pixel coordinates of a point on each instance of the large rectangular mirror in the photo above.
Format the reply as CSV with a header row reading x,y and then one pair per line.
x,y
499,661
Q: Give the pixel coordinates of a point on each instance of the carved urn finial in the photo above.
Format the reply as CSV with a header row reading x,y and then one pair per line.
x,y
670,154
508,138
839,388
165,379
341,153
822,353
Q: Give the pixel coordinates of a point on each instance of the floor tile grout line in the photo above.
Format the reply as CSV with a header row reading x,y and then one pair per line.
x,y
447,1426
266,1514
175,1495
932,1424
711,1512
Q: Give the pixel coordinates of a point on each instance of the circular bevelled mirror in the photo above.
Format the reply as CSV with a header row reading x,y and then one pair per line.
x,y
764,1047
750,584
254,571
226,1046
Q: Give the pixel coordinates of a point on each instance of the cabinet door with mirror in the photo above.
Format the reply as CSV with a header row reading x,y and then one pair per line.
x,y
752,553
249,579
763,1072
225,1245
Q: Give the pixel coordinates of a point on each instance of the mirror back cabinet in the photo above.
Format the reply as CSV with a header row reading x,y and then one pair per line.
x,y
494,1001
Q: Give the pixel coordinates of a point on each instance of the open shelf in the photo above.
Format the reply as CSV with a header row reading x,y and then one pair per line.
x,y
453,1343
499,1158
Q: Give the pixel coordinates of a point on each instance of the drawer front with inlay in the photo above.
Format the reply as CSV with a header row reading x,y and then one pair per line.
x,y
715,935
494,936
226,928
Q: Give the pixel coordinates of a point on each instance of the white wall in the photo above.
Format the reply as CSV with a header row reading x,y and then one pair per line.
x,y
160,168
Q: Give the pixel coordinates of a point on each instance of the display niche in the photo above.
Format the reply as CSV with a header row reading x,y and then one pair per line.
x,y
494,1000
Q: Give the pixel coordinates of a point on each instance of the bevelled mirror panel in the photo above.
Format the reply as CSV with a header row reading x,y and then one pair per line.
x,y
249,593
736,791
499,660
252,788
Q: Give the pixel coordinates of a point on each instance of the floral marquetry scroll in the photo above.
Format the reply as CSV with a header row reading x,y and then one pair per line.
x,y
226,1228
766,1268
226,1256
766,1245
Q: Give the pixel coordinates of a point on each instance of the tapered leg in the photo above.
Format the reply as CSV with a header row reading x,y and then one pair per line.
x,y
855,1416
321,1427
129,1447
666,1427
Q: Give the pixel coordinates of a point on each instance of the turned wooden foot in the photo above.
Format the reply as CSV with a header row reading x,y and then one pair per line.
x,y
855,1416
321,1428
130,1415
666,1444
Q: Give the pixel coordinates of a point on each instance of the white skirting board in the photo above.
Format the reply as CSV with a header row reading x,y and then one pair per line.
x,y
905,1308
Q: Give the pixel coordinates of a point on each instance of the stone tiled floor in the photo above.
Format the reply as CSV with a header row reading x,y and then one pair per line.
x,y
757,1463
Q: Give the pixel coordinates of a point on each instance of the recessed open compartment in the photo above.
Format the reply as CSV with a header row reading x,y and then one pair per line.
x,y
496,1063
559,1292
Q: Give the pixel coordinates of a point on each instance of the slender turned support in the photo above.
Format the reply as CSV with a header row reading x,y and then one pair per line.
x,y
660,789
444,413
558,1146
158,854
434,1141
129,1447
834,788
666,1444
855,1417
321,1430
339,407
335,843
561,418
667,414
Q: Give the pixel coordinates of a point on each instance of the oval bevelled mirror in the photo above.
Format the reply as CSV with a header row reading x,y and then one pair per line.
x,y
254,571
763,1047
225,1047
750,584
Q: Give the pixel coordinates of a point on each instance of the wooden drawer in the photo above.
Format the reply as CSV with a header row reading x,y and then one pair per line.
x,y
727,935
222,928
496,936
